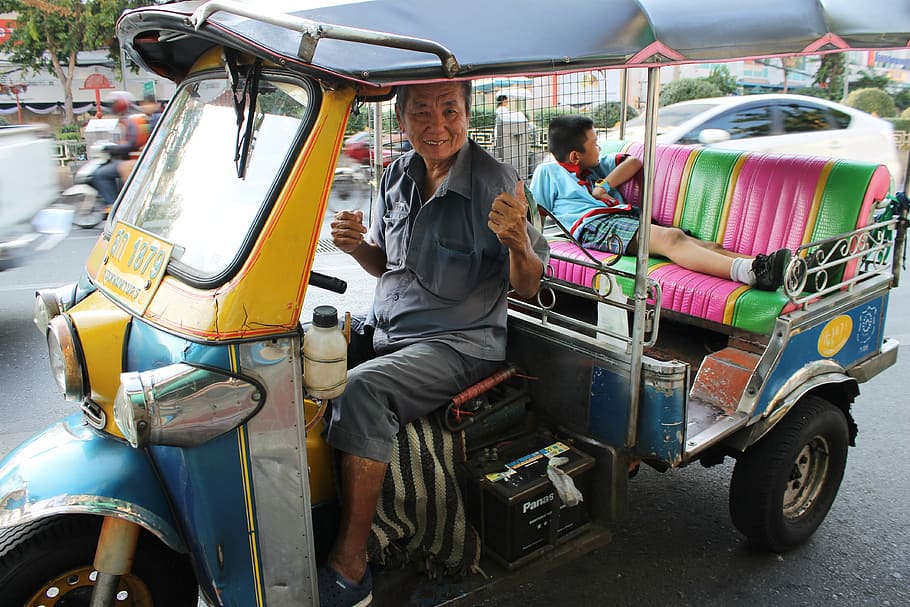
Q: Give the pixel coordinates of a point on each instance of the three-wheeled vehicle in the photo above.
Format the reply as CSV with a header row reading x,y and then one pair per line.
x,y
196,461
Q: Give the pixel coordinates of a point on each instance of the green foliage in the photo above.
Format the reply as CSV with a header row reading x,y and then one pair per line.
x,y
685,89
830,76
48,35
873,101
607,114
723,80
482,118
542,117
53,32
604,115
902,123
68,132
811,92
389,121
870,80
902,99
357,121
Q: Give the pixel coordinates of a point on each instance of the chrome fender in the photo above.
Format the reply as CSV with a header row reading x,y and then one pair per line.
x,y
810,377
71,468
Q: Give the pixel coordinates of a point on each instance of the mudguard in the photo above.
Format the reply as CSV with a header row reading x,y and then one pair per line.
x,y
71,468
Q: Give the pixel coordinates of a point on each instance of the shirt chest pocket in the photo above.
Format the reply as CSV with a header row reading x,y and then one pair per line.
x,y
449,270
396,228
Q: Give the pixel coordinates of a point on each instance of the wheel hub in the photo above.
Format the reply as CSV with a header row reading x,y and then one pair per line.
x,y
74,589
807,478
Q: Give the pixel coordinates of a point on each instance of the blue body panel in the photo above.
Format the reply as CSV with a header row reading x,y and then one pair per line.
x,y
149,348
846,339
661,417
70,467
208,485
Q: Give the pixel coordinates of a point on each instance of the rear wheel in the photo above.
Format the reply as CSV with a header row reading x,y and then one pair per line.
x,y
49,562
784,485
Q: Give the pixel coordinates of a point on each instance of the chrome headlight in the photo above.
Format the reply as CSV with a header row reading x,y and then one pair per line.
x,y
66,358
181,405
130,411
52,302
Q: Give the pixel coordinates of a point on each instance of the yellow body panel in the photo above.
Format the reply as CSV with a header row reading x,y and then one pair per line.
x,y
96,256
319,459
101,326
265,297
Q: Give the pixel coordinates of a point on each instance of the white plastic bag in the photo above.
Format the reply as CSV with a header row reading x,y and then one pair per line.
x,y
564,484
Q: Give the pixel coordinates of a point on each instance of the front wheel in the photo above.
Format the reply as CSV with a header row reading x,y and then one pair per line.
x,y
784,485
82,199
49,562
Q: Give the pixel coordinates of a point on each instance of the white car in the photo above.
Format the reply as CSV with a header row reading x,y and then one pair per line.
x,y
778,123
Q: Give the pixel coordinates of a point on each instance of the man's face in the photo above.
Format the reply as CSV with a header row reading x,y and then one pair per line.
x,y
435,120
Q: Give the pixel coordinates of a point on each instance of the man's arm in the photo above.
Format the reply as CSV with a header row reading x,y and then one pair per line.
x,y
348,235
507,220
128,144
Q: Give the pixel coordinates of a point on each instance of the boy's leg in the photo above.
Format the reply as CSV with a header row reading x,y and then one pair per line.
x,y
765,272
713,246
689,253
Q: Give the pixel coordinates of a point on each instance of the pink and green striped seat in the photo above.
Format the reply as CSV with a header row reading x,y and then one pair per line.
x,y
749,203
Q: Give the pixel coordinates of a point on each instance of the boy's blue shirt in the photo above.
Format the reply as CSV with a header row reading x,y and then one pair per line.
x,y
560,193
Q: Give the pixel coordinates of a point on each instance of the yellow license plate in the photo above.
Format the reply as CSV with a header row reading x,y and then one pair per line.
x,y
133,266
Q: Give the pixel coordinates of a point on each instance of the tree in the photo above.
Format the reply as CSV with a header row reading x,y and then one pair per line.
x,y
607,114
723,80
902,99
685,89
870,80
830,75
873,101
50,33
787,65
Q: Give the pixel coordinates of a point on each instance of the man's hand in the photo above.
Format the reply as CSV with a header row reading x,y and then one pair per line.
x,y
507,218
348,230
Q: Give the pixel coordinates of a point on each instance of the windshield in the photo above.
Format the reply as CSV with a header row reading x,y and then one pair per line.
x,y
187,190
673,115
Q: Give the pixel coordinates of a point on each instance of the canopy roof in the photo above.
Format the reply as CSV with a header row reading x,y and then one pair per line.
x,y
477,38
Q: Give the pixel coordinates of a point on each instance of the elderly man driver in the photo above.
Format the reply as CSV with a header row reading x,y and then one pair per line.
x,y
447,239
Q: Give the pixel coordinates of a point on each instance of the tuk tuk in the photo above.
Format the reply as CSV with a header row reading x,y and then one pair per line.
x,y
195,465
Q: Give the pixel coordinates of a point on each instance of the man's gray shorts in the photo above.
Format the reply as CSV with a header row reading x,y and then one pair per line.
x,y
388,392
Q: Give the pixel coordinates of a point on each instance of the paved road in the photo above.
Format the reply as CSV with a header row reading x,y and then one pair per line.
x,y
679,548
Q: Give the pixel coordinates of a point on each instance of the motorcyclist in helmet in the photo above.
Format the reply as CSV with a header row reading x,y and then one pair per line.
x,y
134,133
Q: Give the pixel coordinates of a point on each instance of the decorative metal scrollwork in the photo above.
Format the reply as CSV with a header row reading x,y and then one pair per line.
x,y
822,267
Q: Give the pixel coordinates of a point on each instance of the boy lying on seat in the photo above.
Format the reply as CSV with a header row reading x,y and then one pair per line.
x,y
580,191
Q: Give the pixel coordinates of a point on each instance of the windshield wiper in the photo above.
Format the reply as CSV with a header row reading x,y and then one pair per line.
x,y
244,107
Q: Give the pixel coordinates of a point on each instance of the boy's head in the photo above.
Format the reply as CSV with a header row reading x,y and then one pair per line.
x,y
571,139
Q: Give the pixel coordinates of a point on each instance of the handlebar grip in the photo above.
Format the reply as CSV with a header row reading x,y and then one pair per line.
x,y
329,283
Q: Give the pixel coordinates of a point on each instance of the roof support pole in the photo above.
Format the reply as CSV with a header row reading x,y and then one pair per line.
x,y
641,267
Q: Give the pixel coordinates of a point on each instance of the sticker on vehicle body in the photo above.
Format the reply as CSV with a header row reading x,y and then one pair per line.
x,y
834,335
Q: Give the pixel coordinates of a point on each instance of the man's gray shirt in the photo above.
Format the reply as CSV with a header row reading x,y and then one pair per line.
x,y
447,274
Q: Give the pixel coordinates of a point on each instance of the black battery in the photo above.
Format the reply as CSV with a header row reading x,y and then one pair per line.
x,y
511,501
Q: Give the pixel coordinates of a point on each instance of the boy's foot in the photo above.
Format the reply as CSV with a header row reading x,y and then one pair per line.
x,y
769,269
336,591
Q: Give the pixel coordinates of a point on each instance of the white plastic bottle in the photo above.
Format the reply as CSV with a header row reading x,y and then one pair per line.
x,y
325,355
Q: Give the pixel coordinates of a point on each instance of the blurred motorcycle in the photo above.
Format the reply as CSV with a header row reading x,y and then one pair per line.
x,y
82,196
